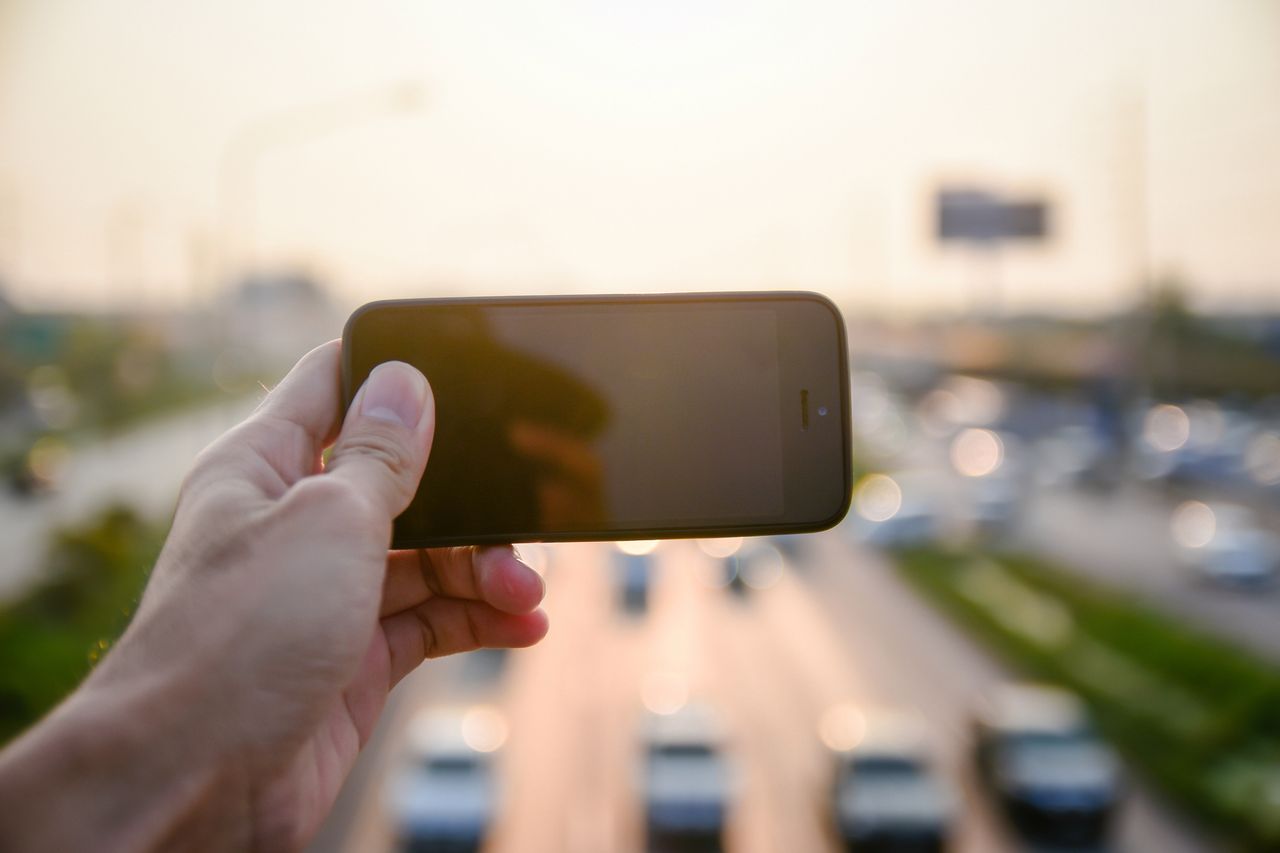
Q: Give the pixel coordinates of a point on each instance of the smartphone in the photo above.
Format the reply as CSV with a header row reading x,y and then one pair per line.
x,y
619,417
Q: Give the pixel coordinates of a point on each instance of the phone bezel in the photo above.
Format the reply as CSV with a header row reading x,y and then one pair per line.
x,y
806,451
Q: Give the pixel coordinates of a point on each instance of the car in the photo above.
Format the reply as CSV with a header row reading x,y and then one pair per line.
x,y
634,573
1037,752
993,504
886,794
733,578
1225,545
899,510
688,781
444,797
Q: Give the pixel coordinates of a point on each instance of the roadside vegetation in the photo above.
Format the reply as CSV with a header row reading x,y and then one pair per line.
x,y
50,637
1198,717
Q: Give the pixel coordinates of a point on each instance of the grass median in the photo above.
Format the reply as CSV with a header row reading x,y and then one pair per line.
x,y
1197,716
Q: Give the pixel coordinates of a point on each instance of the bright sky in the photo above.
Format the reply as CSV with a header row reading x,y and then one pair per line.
x,y
612,145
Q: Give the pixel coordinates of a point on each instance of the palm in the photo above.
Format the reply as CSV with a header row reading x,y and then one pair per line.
x,y
332,577
297,802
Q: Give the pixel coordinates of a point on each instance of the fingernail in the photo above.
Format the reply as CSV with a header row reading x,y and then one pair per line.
x,y
394,392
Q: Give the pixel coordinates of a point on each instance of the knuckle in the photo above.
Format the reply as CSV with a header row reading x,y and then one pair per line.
x,y
332,500
378,446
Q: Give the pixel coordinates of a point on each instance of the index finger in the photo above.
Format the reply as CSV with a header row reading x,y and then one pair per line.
x,y
492,574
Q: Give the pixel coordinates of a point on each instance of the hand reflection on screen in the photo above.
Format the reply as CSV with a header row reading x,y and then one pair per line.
x,y
569,485
515,432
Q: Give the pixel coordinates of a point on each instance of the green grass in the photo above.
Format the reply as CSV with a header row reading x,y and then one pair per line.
x,y
50,638
1197,716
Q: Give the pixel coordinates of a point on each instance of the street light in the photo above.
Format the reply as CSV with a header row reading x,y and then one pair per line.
x,y
237,167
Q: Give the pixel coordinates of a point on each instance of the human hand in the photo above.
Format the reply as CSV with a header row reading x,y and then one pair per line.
x,y
272,629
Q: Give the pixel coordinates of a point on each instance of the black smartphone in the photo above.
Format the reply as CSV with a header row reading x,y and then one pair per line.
x,y
619,417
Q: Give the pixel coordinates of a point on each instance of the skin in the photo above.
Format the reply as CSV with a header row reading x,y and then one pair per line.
x,y
273,627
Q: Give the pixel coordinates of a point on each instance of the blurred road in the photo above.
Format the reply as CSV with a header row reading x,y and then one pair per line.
x,y
840,627
142,468
1123,540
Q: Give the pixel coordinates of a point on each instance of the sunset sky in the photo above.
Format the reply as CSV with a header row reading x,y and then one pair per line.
x,y
607,146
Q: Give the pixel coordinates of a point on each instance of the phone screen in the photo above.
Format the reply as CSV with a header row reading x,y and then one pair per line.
x,y
580,417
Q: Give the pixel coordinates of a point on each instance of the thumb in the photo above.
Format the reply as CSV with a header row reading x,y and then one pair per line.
x,y
382,449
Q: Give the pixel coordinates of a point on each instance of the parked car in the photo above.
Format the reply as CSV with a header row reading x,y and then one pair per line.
x,y
1037,752
886,794
444,798
688,781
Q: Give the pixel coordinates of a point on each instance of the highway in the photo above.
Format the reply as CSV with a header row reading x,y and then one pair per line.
x,y
837,626
1123,540
142,468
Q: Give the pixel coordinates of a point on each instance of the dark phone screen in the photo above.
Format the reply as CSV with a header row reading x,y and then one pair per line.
x,y
573,418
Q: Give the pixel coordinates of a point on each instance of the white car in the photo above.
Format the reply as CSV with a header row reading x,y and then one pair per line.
x,y
1224,544
445,796
688,782
886,794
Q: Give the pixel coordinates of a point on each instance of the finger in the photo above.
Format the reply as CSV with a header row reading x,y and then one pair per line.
x,y
382,449
494,575
310,395
446,626
280,443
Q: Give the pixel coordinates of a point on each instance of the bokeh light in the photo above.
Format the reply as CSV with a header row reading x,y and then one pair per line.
x,y
664,692
977,452
764,568
725,547
484,728
842,727
1262,458
877,497
1194,524
638,547
47,458
1166,428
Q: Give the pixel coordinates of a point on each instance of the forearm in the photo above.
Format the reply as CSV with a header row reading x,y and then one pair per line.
x,y
118,766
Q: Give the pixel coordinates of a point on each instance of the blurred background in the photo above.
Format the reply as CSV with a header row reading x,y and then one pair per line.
x,y
1054,229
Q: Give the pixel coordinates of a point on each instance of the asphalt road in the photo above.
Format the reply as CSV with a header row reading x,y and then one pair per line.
x,y
142,468
842,629
1123,540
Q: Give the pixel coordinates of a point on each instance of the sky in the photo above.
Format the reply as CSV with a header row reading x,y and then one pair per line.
x,y
152,149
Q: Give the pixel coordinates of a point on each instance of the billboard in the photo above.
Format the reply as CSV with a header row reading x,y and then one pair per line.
x,y
970,215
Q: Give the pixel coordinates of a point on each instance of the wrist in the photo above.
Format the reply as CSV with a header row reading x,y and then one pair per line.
x,y
118,765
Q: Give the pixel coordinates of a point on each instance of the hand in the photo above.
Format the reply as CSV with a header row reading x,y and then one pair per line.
x,y
272,629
